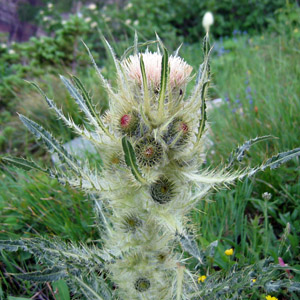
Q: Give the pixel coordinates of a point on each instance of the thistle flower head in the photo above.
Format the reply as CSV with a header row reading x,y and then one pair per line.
x,y
179,69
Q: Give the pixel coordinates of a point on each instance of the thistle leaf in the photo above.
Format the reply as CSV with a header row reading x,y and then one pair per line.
x,y
130,160
23,163
79,100
239,153
190,246
70,123
163,82
211,248
132,48
273,286
145,86
51,143
203,117
104,82
294,287
88,289
136,49
51,274
12,246
89,104
277,160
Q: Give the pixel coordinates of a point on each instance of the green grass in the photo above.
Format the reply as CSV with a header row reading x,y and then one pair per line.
x,y
259,79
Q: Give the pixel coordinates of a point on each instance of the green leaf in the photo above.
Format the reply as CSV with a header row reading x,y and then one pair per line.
x,y
90,105
135,47
69,122
104,82
62,289
12,246
145,86
203,117
79,100
275,161
87,288
51,143
163,82
130,159
212,248
22,163
51,274
239,153
190,246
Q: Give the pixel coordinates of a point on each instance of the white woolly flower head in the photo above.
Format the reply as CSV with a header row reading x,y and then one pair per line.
x,y
179,69
208,20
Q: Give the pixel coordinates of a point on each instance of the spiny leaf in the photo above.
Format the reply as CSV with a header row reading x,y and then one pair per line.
x,y
51,274
12,246
132,48
190,246
88,289
79,100
277,160
104,82
203,112
51,143
273,286
211,248
163,82
145,86
130,159
90,105
70,123
22,163
294,287
239,153
136,49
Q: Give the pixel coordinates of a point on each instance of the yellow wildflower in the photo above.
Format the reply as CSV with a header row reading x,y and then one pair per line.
x,y
229,252
271,298
201,278
254,280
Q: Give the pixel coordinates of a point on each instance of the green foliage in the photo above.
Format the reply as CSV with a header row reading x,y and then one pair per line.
x,y
182,19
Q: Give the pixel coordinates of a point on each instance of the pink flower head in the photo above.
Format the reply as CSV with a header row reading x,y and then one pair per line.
x,y
179,69
282,264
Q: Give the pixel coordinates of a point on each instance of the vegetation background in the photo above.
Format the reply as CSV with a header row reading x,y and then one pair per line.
x,y
255,67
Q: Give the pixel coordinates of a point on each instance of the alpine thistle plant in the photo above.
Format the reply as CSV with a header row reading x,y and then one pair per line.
x,y
150,142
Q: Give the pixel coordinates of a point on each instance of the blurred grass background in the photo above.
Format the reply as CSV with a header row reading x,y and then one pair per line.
x,y
255,70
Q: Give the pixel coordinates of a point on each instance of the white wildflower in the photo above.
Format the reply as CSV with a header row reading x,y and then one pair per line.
x,y
136,23
94,24
88,19
92,6
49,5
208,20
11,51
128,22
128,6
3,46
